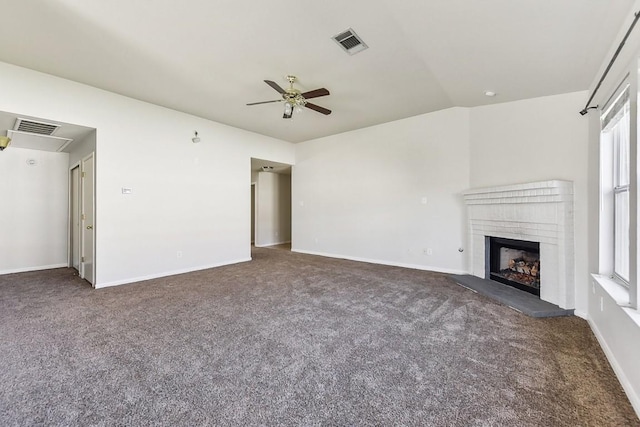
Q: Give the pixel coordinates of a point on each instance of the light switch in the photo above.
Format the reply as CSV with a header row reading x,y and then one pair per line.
x,y
126,190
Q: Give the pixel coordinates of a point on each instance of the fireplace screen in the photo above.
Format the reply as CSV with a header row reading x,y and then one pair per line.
x,y
515,263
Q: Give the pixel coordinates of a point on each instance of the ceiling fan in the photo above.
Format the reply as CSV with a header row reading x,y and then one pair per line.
x,y
294,99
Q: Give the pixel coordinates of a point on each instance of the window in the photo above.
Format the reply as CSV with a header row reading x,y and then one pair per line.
x,y
615,138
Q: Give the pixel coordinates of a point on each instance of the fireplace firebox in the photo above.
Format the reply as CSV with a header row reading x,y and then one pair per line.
x,y
514,262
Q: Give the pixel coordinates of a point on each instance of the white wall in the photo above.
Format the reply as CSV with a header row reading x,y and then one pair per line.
x,y
536,140
360,194
273,209
617,327
618,332
192,198
81,149
33,218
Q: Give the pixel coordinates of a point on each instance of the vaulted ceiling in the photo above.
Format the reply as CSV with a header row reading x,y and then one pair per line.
x,y
209,58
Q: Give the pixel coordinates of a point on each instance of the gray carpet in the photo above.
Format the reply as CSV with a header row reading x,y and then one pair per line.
x,y
292,339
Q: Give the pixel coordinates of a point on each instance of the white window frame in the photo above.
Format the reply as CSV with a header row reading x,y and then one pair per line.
x,y
610,189
616,129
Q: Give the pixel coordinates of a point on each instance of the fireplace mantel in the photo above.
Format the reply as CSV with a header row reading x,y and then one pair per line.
x,y
538,212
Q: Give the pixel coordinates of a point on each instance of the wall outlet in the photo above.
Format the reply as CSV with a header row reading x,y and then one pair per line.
x,y
428,251
179,254
423,200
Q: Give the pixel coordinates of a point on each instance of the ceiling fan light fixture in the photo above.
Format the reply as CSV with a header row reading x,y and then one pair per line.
x,y
288,111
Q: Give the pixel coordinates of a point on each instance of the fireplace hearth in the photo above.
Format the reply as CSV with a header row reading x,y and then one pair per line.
x,y
514,262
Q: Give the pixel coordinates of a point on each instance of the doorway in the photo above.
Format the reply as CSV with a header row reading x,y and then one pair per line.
x,y
270,204
46,234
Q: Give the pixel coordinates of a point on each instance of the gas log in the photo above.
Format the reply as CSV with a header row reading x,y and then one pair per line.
x,y
523,271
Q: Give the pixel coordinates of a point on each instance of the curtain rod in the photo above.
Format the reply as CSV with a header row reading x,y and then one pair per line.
x,y
586,108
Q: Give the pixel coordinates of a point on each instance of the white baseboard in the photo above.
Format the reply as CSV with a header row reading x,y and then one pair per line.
x,y
581,314
37,268
617,369
168,273
266,245
383,262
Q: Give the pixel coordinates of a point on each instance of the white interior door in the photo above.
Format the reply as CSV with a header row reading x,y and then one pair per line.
x,y
87,259
74,220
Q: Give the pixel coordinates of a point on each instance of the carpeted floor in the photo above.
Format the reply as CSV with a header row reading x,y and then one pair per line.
x,y
292,339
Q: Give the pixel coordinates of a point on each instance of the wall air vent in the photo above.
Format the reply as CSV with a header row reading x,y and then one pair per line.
x,y
350,42
31,126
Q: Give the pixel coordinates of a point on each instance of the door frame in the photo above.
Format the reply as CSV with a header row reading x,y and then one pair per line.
x,y
254,216
71,225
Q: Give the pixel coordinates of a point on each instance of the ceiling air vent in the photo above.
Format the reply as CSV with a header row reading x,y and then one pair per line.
x,y
31,126
350,42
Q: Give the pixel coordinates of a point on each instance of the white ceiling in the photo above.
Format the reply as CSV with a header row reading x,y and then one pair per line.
x,y
209,58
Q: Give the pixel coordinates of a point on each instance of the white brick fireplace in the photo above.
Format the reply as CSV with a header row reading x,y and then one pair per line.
x,y
537,212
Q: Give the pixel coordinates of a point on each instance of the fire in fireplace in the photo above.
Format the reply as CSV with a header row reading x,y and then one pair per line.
x,y
515,263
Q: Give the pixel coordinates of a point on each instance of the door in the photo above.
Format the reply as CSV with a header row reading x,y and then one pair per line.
x,y
87,266
74,219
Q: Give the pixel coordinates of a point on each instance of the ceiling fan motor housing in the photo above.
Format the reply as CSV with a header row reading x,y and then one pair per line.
x,y
294,97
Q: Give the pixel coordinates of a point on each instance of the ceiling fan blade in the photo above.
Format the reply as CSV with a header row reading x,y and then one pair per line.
x,y
315,93
275,86
265,102
318,108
